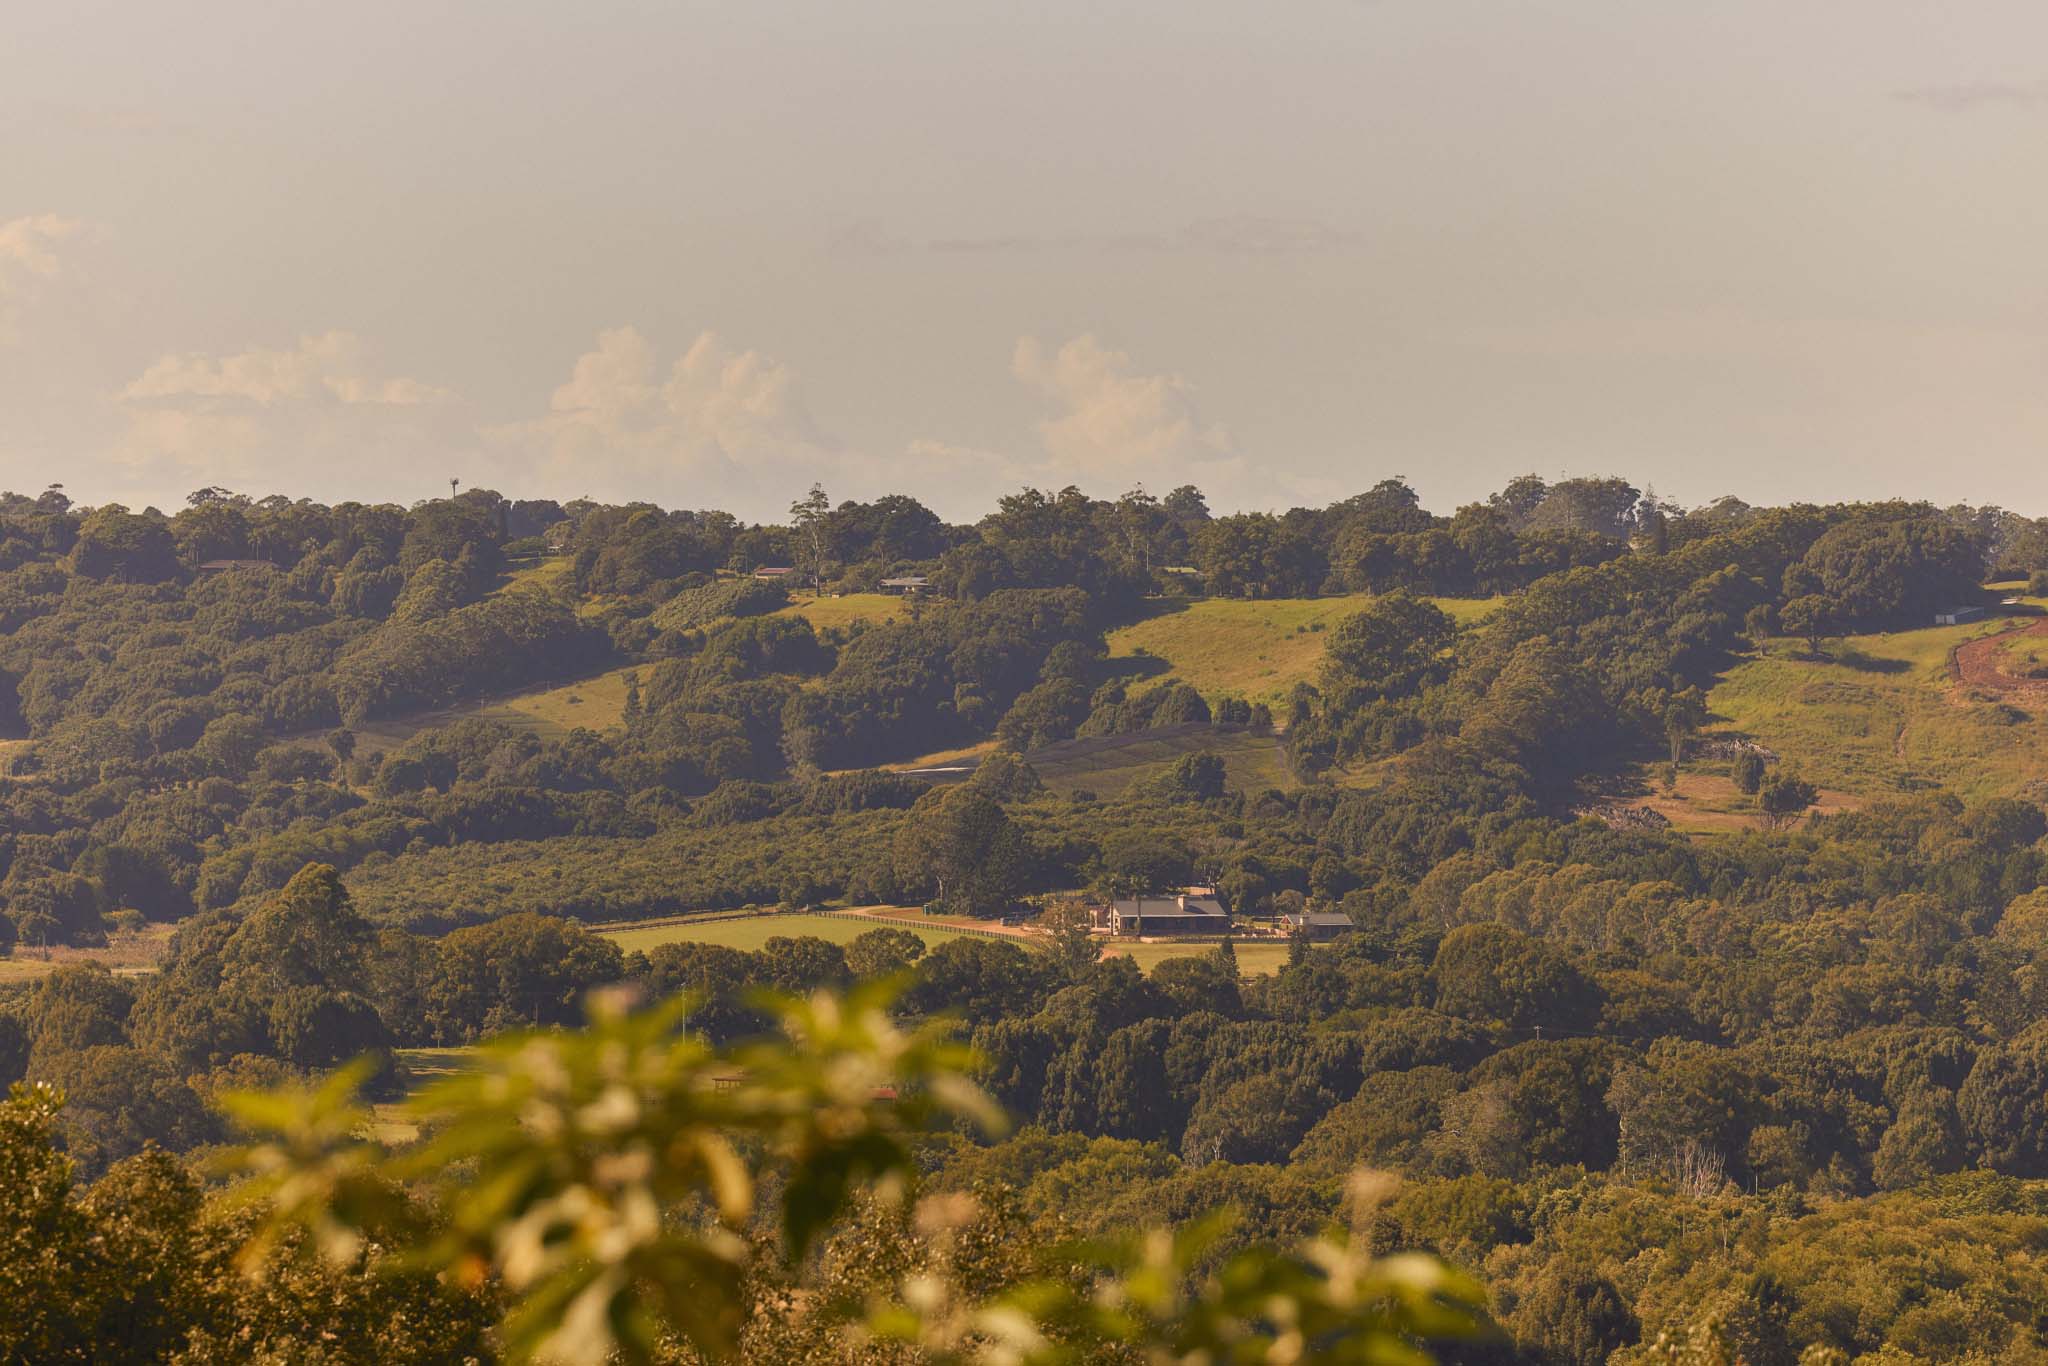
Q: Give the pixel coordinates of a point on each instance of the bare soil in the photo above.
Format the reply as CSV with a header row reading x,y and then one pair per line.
x,y
1981,663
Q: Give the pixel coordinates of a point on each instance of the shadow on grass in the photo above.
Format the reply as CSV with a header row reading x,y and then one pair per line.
x,y
1868,664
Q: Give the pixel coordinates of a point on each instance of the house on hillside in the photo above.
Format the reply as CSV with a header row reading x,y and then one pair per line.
x,y
1958,616
1319,925
907,585
775,573
1179,914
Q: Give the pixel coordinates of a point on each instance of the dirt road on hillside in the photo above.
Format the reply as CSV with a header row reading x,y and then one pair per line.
x,y
1981,663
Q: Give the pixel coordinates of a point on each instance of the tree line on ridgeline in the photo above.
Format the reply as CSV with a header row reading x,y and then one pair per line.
x,y
1639,1084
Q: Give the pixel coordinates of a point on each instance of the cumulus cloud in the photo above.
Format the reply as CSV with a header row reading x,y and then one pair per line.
x,y
31,252
1109,419
622,427
333,365
321,416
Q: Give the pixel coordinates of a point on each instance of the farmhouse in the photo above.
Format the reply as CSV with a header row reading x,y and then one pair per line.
x,y
1182,914
1958,616
775,572
908,584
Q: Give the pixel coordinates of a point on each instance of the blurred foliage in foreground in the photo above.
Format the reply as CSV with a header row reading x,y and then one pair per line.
x,y
631,1192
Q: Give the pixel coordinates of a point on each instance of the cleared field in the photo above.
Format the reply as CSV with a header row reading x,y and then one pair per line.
x,y
548,573
845,609
1706,800
941,758
1253,959
1883,716
1256,649
1106,765
595,703
126,955
751,932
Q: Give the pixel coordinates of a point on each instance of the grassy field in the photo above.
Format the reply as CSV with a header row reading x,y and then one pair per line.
x,y
845,609
1257,650
595,703
1882,716
2025,656
126,955
752,932
1253,959
1253,762
549,573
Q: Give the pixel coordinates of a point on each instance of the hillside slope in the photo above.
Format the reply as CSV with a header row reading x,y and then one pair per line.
x,y
1255,649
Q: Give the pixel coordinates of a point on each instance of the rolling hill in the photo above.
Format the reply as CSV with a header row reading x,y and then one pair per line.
x,y
1881,715
1256,649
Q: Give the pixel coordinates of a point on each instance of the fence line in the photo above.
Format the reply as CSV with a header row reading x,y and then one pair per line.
x,y
906,922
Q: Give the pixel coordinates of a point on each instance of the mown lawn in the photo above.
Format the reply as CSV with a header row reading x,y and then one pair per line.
x,y
1257,650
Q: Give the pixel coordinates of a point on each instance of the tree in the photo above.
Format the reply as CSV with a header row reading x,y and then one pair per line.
x,y
960,841
520,970
1391,648
1574,1315
1196,777
1925,1141
1144,862
114,543
1748,772
1811,618
883,952
1069,928
2003,1107
341,742
1493,973
1782,796
1684,714
811,518
1760,623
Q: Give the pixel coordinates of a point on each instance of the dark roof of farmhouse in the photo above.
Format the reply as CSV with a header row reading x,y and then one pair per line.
x,y
1162,907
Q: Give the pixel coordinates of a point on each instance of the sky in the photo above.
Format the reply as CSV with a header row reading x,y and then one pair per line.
x,y
704,254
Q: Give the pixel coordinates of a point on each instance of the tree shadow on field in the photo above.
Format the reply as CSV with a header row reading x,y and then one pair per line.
x,y
1867,663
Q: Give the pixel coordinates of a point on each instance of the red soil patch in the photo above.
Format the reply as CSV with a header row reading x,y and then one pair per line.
x,y
1980,663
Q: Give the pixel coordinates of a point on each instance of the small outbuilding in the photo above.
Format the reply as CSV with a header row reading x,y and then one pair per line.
x,y
1958,616
1319,925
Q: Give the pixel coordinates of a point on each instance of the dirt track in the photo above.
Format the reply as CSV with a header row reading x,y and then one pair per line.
x,y
1977,664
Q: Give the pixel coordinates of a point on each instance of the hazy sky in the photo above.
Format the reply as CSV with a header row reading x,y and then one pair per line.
x,y
704,253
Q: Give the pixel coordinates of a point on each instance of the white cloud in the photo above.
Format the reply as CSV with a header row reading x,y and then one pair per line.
x,y
1110,420
733,420
31,252
320,417
334,365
